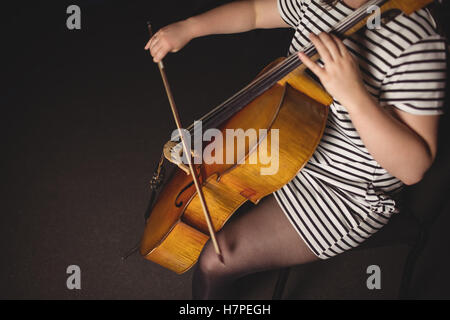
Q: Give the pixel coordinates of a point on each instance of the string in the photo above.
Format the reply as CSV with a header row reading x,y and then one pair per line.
x,y
257,86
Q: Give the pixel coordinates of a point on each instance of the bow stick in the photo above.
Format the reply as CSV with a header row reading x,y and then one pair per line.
x,y
188,155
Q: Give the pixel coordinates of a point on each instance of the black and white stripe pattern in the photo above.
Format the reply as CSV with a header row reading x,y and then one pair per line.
x,y
343,195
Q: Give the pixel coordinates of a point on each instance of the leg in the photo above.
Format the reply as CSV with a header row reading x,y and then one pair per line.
x,y
257,240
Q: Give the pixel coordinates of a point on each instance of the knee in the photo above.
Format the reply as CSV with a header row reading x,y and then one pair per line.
x,y
211,277
209,264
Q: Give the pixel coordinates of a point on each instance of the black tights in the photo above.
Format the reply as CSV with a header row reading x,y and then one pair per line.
x,y
257,240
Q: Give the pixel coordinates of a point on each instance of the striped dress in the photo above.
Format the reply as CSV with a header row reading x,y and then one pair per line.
x,y
343,196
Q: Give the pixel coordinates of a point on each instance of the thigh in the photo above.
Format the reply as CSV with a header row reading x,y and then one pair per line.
x,y
262,238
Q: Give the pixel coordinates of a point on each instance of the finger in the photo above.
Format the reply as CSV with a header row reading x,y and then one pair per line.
x,y
160,54
156,52
341,46
155,49
153,40
330,44
321,48
147,46
149,43
313,66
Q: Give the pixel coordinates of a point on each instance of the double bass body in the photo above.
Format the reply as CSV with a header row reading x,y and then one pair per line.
x,y
176,230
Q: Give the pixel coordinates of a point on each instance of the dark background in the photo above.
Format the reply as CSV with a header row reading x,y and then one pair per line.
x,y
84,118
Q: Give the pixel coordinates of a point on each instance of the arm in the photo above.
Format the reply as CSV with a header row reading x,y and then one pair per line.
x,y
402,143
245,16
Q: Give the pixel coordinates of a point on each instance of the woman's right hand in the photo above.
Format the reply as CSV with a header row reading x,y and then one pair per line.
x,y
171,38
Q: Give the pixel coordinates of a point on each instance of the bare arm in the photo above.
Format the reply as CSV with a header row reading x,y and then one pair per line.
x,y
238,16
234,17
402,143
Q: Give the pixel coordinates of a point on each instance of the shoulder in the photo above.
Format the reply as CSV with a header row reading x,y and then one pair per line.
x,y
416,31
292,11
416,80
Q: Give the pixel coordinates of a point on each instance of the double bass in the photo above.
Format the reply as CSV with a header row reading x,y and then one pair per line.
x,y
282,97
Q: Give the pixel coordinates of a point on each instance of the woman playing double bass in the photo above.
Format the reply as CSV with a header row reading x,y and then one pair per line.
x,y
387,86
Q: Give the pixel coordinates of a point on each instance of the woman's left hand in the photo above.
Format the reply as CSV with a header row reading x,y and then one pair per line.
x,y
340,74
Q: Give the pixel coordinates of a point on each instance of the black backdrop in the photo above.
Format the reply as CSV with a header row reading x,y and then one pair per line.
x,y
84,117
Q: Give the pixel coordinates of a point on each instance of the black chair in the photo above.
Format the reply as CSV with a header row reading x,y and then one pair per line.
x,y
402,229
